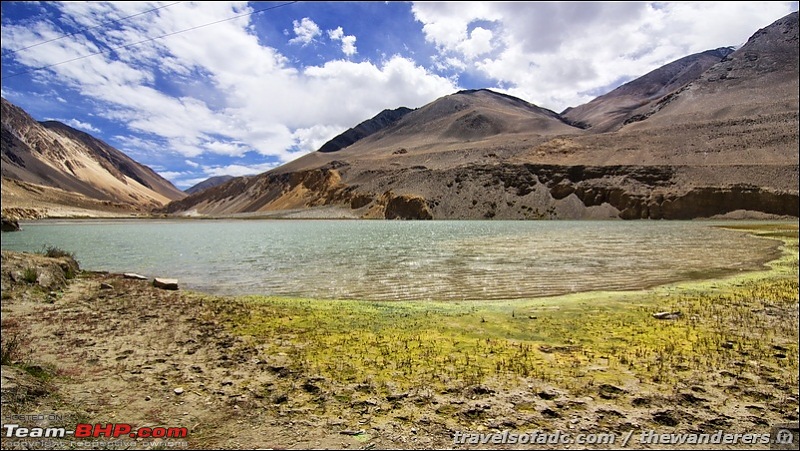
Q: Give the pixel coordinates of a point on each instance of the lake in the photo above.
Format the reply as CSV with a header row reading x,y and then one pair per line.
x,y
402,260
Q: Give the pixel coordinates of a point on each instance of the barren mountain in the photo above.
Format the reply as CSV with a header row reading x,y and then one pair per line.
x,y
384,119
52,157
725,144
208,183
609,111
760,79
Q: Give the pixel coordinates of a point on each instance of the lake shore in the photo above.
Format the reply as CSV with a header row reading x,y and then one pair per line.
x,y
282,373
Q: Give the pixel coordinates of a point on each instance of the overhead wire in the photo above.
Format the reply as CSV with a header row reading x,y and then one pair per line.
x,y
82,30
17,74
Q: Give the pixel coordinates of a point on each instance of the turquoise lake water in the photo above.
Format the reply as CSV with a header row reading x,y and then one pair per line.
x,y
402,260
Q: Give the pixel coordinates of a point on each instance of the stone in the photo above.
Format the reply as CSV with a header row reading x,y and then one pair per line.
x,y
178,391
10,225
166,284
667,315
133,275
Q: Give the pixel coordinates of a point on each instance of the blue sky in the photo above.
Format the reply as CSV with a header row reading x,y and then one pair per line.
x,y
197,89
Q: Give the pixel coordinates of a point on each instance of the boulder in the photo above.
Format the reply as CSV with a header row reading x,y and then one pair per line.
x,y
166,284
405,207
10,225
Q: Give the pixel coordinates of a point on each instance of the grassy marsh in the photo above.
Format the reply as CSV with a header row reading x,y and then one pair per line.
x,y
739,332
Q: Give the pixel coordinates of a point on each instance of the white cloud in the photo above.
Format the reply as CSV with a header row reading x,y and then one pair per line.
x,y
191,163
312,138
224,91
479,43
188,183
336,34
306,30
229,93
348,42
172,175
74,123
238,170
548,53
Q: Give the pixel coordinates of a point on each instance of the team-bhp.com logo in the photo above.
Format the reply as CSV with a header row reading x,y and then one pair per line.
x,y
85,430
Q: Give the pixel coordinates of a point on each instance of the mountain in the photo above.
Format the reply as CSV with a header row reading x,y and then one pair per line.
x,y
384,119
72,167
696,138
465,127
759,79
208,183
609,111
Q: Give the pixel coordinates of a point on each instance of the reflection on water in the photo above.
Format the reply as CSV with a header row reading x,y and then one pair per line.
x,y
397,260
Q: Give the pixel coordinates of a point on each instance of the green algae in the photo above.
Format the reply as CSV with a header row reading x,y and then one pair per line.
x,y
744,327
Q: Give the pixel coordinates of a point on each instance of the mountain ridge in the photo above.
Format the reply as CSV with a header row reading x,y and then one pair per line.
x,y
208,183
476,154
54,155
610,111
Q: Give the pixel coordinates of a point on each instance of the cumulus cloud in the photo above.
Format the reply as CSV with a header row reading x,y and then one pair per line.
x,y
549,53
74,123
228,93
348,42
238,170
217,91
306,30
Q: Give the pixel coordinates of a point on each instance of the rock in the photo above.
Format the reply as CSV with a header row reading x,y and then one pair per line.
x,y
396,396
608,391
405,207
547,395
10,225
310,387
550,413
106,286
166,284
178,391
665,418
477,390
667,315
133,275
690,398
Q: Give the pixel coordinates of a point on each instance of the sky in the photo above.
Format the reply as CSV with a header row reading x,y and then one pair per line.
x,y
200,89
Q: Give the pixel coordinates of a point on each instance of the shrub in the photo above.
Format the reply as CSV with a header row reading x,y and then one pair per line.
x,y
11,342
30,274
56,252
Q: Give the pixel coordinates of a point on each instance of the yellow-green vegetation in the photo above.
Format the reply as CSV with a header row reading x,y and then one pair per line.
x,y
743,327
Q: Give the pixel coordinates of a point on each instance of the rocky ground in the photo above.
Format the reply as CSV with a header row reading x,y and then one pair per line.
x,y
81,347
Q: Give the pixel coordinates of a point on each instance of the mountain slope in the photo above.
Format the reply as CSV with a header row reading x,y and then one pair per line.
x,y
208,183
54,155
384,119
463,128
451,131
725,144
609,111
761,78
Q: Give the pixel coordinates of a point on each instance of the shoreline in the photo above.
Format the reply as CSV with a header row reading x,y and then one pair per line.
x,y
653,282
285,373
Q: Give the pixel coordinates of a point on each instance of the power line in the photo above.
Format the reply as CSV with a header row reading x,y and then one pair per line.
x,y
147,40
92,28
